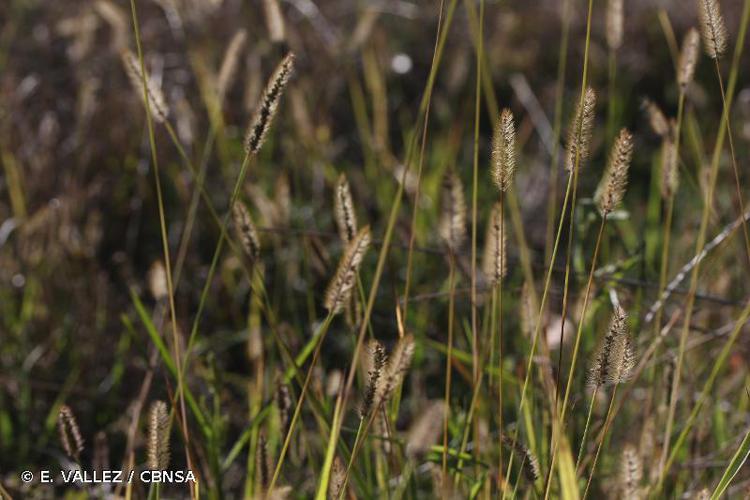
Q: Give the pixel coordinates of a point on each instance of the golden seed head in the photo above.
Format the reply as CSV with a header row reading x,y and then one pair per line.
x,y
670,178
494,263
269,103
245,228
346,217
656,118
688,58
158,437
611,189
504,151
631,473
579,135
336,482
228,69
615,358
274,20
452,225
426,429
713,29
157,280
530,462
155,101
340,289
377,361
395,369
614,24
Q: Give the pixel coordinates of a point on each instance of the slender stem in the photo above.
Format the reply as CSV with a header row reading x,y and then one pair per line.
x,y
607,422
586,428
297,410
449,359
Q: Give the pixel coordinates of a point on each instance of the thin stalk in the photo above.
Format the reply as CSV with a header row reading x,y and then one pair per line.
x,y
449,358
499,312
607,422
586,428
298,408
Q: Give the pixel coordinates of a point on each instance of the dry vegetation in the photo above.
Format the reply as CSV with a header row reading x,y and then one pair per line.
x,y
337,249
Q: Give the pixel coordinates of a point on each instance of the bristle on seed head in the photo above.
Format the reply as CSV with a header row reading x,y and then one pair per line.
x,y
70,434
154,98
614,24
452,225
615,358
494,262
346,218
688,58
340,289
713,29
158,436
245,229
579,135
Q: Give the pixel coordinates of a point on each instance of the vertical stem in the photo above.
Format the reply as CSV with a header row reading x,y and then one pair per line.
x,y
586,428
607,421
449,359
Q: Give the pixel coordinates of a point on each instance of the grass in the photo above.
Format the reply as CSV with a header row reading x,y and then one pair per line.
x,y
126,284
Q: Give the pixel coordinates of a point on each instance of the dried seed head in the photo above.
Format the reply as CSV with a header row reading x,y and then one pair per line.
x,y
579,135
452,225
614,24
274,20
494,262
528,312
340,288
262,464
688,58
228,69
425,431
713,29
245,228
378,359
70,434
615,358
346,217
269,103
504,151
631,473
158,437
670,178
157,280
611,189
530,462
155,101
394,371
338,473
284,406
656,118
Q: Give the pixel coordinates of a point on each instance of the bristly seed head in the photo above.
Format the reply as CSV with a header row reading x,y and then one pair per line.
x,y
70,434
530,463
284,406
631,473
713,29
378,359
425,431
656,118
346,217
688,58
269,103
614,24
504,151
394,371
611,189
494,262
340,288
245,228
579,135
157,104
670,178
452,225
228,68
615,358
158,437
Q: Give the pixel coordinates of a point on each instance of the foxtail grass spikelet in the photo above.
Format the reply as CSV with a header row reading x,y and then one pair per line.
x,y
340,289
611,189
504,151
378,359
156,102
688,58
228,69
614,24
425,430
262,465
579,135
452,225
269,103
398,363
158,436
494,263
656,118
615,358
670,176
713,29
338,473
245,228
631,473
70,434
530,463
274,20
284,407
343,208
